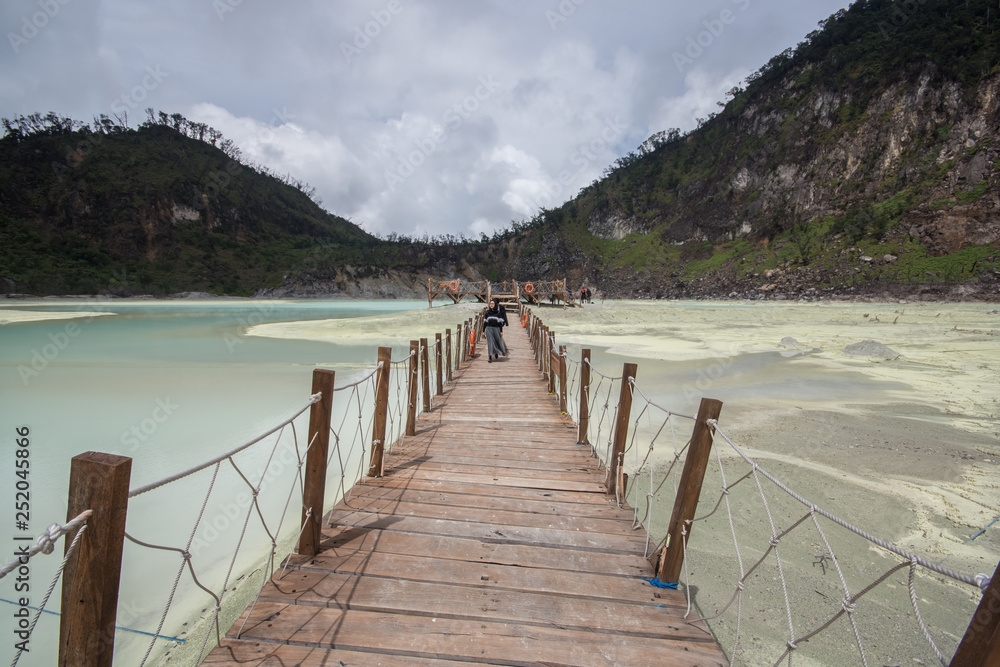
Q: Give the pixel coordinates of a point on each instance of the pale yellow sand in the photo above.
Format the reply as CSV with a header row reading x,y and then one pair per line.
x,y
905,448
11,316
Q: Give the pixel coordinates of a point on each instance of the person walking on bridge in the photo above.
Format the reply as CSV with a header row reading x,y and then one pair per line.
x,y
493,324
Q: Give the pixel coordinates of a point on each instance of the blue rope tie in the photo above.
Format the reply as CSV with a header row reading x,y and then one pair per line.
x,y
117,627
659,584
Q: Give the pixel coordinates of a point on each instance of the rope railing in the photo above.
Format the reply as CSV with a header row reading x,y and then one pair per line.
x,y
244,498
657,444
45,544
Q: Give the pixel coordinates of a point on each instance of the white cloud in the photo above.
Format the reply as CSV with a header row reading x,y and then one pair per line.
x,y
449,117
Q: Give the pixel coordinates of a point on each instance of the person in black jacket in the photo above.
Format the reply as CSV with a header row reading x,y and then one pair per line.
x,y
493,324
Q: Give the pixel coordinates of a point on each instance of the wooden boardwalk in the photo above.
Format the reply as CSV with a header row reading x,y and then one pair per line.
x,y
490,540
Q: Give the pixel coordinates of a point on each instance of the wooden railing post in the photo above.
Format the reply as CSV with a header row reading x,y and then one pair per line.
x,y
447,348
562,379
438,358
553,363
314,481
425,374
980,646
411,390
98,482
617,479
581,435
376,467
688,491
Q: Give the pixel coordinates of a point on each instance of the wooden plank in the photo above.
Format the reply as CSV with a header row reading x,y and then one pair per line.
x,y
548,521
485,641
366,593
392,485
486,575
236,653
496,532
540,503
344,542
487,540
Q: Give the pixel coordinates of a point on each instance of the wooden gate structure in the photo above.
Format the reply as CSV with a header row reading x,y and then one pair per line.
x,y
511,293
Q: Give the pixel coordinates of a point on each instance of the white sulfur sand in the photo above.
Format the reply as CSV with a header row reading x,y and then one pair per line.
x,y
10,316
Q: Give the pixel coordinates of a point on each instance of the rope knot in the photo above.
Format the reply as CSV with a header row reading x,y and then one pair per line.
x,y
849,606
775,541
725,490
186,555
47,541
983,580
740,585
791,645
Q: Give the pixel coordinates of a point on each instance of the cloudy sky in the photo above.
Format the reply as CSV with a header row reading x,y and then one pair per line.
x,y
408,116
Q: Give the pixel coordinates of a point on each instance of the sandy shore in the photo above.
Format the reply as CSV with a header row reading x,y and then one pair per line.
x,y
903,445
11,316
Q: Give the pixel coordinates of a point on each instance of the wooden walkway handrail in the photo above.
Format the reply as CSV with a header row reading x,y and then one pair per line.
x,y
489,538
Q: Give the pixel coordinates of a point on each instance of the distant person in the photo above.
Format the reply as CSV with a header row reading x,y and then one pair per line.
x,y
583,295
493,324
588,296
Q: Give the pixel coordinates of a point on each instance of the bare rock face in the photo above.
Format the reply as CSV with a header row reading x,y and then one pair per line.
x,y
945,231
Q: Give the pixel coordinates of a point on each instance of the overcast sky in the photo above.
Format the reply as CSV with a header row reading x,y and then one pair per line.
x,y
408,116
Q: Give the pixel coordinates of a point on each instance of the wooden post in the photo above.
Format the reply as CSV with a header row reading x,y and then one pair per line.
x,y
581,436
411,393
980,646
425,374
459,348
98,482
562,379
438,357
553,363
616,479
429,294
543,335
314,482
447,347
377,465
688,491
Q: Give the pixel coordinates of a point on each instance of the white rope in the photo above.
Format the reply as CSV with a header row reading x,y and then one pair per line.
x,y
45,542
55,579
222,457
916,611
979,581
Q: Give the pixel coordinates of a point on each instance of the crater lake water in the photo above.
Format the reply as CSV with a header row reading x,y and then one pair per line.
x,y
169,384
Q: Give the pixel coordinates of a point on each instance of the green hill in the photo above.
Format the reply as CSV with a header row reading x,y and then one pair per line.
x,y
864,160
152,210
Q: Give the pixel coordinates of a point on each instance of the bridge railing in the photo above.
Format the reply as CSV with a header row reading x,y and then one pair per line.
x,y
789,562
192,542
